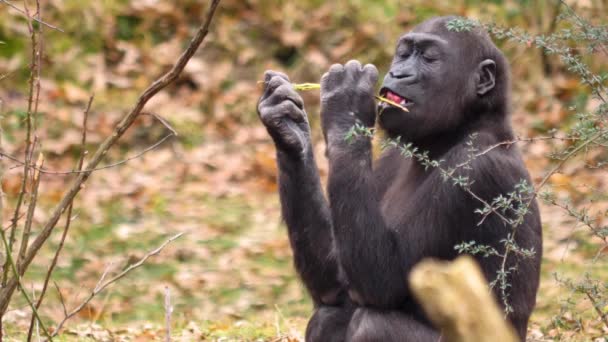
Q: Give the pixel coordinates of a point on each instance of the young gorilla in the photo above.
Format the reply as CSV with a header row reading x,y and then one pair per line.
x,y
354,253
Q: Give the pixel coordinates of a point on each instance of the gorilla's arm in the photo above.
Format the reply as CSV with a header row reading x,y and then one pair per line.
x,y
308,219
369,252
303,205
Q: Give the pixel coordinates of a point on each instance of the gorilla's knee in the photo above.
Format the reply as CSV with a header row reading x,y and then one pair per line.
x,y
369,325
328,323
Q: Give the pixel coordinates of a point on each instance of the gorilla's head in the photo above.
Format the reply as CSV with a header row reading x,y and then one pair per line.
x,y
447,80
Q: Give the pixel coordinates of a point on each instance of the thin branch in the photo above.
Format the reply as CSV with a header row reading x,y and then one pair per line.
x,y
1,210
24,13
566,158
582,23
2,77
29,219
61,299
102,284
22,289
148,149
119,130
512,142
68,219
598,308
109,166
168,312
29,146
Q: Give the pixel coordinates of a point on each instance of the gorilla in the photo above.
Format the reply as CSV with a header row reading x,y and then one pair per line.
x,y
354,248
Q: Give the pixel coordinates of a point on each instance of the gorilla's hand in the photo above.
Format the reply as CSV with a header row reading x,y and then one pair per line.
x,y
347,96
281,109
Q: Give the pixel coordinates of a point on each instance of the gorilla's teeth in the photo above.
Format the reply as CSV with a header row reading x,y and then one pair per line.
x,y
402,103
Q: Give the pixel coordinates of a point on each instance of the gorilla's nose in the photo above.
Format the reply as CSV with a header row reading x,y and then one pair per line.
x,y
403,76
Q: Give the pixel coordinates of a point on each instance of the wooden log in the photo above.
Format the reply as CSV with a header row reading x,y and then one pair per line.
x,y
457,299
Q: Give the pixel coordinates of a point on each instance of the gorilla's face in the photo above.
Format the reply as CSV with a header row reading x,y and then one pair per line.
x,y
433,76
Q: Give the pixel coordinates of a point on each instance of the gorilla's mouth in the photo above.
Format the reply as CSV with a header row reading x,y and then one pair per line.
x,y
394,97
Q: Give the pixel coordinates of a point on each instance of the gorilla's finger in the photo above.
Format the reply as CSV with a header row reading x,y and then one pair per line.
x,y
333,77
285,92
353,70
272,84
295,113
269,74
371,72
336,68
285,109
353,66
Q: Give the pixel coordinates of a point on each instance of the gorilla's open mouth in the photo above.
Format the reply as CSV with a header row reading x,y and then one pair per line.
x,y
394,97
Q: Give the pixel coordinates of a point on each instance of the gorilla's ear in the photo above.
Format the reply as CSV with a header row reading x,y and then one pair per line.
x,y
486,76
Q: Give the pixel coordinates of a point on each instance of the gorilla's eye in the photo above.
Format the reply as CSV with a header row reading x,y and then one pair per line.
x,y
430,55
404,50
429,58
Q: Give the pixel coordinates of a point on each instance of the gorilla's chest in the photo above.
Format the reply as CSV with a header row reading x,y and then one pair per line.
x,y
402,190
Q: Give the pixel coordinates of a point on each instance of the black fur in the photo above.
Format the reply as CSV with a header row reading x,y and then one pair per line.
x,y
355,250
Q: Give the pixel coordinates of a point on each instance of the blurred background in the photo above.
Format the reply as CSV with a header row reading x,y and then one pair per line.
x,y
231,275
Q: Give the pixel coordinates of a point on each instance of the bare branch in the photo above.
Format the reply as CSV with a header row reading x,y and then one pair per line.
x,y
102,284
109,166
61,299
34,96
17,277
148,149
36,19
2,77
68,219
25,237
119,130
168,312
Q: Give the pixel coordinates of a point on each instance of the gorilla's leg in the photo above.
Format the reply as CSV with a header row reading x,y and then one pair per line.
x,y
329,323
369,325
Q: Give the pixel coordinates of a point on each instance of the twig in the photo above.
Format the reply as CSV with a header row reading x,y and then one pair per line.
x,y
1,212
29,219
17,278
314,86
68,219
38,20
38,57
542,184
124,161
29,146
148,149
61,299
168,312
598,308
583,26
566,158
102,284
119,130
2,77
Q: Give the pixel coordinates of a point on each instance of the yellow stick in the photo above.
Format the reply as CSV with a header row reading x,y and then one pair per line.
x,y
314,86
